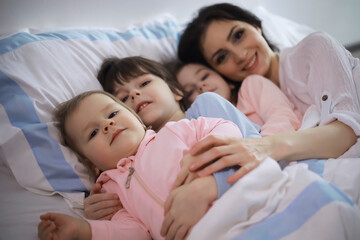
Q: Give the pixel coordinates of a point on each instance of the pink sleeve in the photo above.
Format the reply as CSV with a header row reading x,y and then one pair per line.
x,y
121,226
192,131
273,107
216,126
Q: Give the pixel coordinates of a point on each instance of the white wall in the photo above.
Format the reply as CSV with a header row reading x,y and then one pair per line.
x,y
340,18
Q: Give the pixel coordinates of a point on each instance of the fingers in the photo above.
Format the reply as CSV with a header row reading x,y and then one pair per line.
x,y
206,143
168,203
181,233
46,229
168,220
242,171
101,197
208,157
181,177
104,209
226,157
101,206
190,177
172,231
96,188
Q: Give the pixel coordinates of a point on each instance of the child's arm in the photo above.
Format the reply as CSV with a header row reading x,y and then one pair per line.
x,y
188,204
60,226
271,105
122,224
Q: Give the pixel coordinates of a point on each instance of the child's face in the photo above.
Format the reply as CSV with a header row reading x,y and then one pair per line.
x,y
151,98
197,79
104,131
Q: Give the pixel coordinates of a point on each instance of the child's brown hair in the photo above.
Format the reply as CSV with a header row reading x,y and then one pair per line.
x,y
122,70
65,109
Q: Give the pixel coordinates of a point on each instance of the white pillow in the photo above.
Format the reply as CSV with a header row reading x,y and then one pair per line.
x,y
39,71
282,32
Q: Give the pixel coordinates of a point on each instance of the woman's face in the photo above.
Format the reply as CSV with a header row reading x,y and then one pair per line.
x,y
237,49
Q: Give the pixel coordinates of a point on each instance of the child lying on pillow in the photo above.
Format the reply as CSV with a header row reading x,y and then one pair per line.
x,y
137,164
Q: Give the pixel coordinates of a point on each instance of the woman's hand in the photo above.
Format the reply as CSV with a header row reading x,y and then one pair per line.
x,y
214,153
101,206
186,205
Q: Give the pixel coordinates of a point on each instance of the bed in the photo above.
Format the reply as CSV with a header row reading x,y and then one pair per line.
x,y
42,68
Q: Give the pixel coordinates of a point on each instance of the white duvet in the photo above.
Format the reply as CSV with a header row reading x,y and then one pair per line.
x,y
294,203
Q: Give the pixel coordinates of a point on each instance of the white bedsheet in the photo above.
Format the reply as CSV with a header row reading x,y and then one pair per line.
x,y
20,209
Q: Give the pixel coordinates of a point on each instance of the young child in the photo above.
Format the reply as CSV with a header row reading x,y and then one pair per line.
x,y
139,165
144,85
259,99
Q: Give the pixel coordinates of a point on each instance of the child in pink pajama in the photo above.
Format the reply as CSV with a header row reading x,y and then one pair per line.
x,y
137,164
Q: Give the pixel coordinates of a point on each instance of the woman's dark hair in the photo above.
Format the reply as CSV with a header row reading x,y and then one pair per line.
x,y
190,50
122,70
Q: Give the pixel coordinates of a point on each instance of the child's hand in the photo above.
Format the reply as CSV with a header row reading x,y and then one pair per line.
x,y
54,226
101,206
185,176
186,205
46,228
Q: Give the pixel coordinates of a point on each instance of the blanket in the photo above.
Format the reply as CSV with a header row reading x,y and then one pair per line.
x,y
270,203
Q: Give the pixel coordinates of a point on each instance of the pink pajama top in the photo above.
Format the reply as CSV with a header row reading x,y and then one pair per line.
x,y
143,181
264,104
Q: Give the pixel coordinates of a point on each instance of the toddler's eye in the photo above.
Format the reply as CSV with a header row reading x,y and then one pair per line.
x,y
93,134
204,77
124,99
145,83
113,114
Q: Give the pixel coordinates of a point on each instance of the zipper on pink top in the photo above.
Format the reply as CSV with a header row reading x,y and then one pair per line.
x,y
143,185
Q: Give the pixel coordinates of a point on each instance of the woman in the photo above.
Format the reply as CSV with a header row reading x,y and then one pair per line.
x,y
318,71
318,75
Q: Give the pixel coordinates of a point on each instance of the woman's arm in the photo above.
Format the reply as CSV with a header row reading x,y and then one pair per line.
x,y
328,141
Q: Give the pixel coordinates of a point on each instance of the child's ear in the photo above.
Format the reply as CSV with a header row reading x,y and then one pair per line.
x,y
97,172
179,95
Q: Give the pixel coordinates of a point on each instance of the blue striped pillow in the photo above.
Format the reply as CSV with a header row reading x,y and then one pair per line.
x,y
39,71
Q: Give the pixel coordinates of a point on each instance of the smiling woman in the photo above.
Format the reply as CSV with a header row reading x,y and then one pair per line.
x,y
231,40
238,49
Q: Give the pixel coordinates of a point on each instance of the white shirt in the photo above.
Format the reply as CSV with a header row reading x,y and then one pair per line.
x,y
322,79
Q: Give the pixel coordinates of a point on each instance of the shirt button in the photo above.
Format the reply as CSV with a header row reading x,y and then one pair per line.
x,y
324,97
